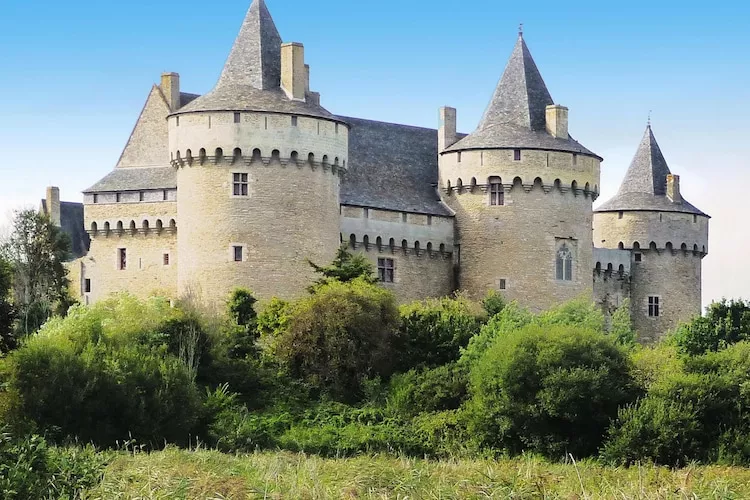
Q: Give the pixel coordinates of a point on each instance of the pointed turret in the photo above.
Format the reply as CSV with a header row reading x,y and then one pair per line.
x,y
649,184
521,97
255,58
521,113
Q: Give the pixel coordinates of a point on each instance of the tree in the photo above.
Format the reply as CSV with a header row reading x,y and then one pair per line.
x,y
7,312
340,335
549,389
37,250
344,268
725,323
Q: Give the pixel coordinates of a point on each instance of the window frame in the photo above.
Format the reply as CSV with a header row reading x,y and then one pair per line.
x,y
497,194
240,184
122,259
238,251
654,306
517,155
564,263
87,285
386,270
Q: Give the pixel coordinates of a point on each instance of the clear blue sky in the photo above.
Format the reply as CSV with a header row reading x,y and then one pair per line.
x,y
75,76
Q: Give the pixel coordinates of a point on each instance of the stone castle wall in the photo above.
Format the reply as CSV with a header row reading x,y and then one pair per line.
x,y
547,203
421,247
290,214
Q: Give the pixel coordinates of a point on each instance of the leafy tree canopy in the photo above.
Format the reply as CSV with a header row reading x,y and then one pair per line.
x,y
344,268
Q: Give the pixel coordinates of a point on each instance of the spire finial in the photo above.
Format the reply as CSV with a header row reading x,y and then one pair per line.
x,y
520,30
649,118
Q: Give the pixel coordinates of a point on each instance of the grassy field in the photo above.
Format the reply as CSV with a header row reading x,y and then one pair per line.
x,y
176,474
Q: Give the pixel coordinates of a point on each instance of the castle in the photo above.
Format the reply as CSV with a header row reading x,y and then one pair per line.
x,y
242,185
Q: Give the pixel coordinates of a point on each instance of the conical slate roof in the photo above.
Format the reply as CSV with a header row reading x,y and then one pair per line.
x,y
516,115
251,78
645,185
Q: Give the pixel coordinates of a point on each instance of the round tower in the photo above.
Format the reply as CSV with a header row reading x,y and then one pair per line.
x,y
667,238
259,164
522,191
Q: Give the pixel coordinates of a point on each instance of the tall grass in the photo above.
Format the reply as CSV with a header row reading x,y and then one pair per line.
x,y
178,474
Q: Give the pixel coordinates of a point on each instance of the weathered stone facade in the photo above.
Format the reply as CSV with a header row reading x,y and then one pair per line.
x,y
245,184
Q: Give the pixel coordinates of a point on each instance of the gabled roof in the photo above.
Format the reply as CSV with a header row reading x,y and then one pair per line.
x,y
516,114
251,78
645,185
392,167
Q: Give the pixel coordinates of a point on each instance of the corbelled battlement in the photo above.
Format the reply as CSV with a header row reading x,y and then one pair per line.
x,y
125,228
473,187
237,157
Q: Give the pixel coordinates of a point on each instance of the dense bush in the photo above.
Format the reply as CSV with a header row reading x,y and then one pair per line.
x,y
428,390
30,469
551,390
340,335
511,318
433,332
725,323
98,376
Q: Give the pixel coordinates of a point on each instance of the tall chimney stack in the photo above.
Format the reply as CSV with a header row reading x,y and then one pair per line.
x,y
53,205
557,121
447,128
293,70
170,87
673,188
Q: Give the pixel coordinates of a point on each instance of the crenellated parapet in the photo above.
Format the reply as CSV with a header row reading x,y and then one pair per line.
x,y
237,157
472,186
391,246
122,228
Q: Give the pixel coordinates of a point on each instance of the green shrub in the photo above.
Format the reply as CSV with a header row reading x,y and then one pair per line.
x,y
339,336
725,323
100,375
493,303
511,318
434,331
581,313
428,390
621,325
550,390
30,469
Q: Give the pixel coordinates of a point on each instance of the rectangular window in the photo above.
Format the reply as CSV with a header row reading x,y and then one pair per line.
x,y
166,259
458,157
122,259
619,215
236,118
294,121
237,254
240,184
96,198
497,195
695,219
117,197
517,154
502,285
429,220
87,285
178,121
141,196
638,257
653,307
165,195
385,270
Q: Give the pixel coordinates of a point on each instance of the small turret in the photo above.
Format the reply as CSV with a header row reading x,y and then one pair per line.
x,y
666,236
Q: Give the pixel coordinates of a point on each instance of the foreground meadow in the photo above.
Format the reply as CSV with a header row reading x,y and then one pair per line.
x,y
178,474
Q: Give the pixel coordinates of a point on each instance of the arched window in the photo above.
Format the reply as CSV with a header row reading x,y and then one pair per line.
x,y
564,263
379,243
352,241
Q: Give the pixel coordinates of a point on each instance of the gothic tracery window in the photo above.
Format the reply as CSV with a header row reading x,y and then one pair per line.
x,y
564,264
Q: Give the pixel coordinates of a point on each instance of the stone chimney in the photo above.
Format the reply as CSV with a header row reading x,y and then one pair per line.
x,y
307,78
557,121
53,205
170,87
294,74
447,136
673,188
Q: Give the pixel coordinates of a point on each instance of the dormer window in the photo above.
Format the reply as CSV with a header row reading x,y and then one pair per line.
x,y
516,155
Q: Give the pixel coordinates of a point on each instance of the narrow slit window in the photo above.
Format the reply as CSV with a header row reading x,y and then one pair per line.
x,y
237,254
294,121
96,198
118,197
165,195
141,196
122,259
240,183
237,118
87,285
385,270
166,259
